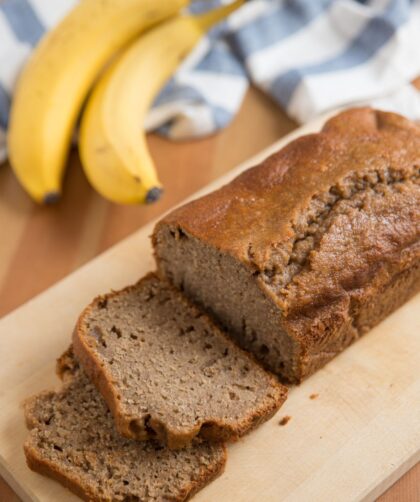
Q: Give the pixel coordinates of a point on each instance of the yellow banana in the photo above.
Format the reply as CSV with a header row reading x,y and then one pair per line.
x,y
112,141
57,78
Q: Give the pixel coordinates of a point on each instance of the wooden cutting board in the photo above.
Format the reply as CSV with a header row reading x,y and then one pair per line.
x,y
354,427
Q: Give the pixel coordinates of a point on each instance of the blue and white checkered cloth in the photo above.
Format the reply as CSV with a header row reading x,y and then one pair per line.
x,y
308,55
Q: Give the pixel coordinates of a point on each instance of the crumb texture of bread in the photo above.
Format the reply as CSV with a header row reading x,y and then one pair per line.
x,y
301,255
167,372
73,440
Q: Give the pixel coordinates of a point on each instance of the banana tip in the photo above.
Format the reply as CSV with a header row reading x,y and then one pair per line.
x,y
51,198
153,195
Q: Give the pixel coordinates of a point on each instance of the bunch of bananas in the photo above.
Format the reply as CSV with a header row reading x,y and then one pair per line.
x,y
97,46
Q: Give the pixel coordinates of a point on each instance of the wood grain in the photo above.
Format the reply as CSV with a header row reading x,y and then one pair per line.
x,y
41,245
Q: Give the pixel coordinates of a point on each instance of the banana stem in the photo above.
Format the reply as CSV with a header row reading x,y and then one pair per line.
x,y
207,20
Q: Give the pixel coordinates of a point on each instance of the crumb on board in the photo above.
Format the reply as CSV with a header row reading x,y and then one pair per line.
x,y
313,396
285,420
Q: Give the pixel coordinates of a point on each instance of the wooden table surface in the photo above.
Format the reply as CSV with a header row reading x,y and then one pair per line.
x,y
40,245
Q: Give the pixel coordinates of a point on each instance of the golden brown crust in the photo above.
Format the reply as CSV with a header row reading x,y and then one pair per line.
x,y
256,219
213,430
256,212
281,187
375,305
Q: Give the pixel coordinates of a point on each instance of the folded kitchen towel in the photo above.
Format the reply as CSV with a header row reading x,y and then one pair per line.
x,y
308,55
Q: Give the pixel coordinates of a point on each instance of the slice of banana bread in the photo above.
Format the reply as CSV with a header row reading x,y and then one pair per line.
x,y
167,372
301,255
73,440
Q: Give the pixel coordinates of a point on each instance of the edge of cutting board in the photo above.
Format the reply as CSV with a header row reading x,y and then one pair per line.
x,y
379,373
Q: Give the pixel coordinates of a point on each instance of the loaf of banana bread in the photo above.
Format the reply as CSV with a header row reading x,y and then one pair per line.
x,y
301,255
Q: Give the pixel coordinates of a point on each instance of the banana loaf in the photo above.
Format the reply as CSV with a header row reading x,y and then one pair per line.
x,y
301,255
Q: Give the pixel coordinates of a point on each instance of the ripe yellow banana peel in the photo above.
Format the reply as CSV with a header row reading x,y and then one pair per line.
x,y
112,141
57,78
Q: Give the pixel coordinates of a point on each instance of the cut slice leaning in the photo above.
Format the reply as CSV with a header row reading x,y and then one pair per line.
x,y
167,372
